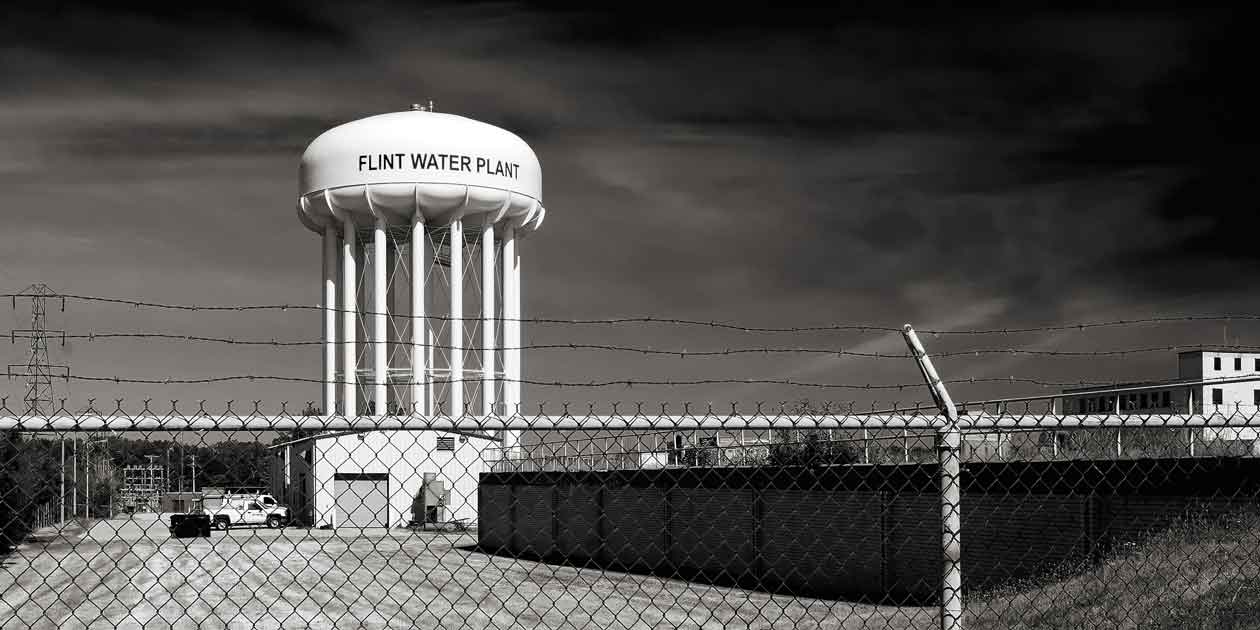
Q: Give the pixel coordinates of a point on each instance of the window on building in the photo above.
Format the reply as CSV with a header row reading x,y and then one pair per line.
x,y
1216,364
306,455
1218,396
446,444
1258,365
1167,400
1255,397
1237,364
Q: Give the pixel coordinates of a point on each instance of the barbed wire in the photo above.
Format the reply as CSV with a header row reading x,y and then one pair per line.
x,y
588,384
478,318
546,383
665,320
441,317
1097,353
681,353
1097,324
95,336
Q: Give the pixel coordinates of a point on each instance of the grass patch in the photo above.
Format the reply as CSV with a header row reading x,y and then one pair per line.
x,y
1196,575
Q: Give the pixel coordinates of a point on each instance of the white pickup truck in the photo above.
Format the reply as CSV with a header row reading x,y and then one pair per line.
x,y
252,510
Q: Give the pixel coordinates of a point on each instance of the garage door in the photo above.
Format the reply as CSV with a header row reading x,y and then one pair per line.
x,y
362,500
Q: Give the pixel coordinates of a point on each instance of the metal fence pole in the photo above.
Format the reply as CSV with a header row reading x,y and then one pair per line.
x,y
63,478
948,443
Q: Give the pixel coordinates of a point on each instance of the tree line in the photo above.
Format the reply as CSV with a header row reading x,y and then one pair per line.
x,y
31,473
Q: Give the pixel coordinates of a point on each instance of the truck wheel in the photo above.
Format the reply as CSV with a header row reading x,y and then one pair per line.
x,y
273,522
221,524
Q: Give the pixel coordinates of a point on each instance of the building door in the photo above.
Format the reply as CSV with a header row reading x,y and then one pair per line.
x,y
362,499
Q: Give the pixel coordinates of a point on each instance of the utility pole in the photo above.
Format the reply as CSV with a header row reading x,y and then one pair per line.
x,y
194,473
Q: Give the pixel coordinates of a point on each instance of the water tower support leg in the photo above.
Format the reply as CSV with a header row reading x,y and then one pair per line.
x,y
380,305
330,319
511,335
419,391
349,313
487,319
456,360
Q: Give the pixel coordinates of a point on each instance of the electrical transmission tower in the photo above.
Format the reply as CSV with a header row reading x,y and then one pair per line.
x,y
38,371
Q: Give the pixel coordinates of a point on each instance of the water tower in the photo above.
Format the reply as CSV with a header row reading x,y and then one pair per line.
x,y
421,215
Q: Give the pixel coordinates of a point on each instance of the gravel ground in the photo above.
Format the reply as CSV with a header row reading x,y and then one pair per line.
x,y
130,573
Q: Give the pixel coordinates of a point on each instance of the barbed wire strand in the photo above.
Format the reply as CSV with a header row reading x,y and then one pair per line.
x,y
588,384
664,320
439,317
683,353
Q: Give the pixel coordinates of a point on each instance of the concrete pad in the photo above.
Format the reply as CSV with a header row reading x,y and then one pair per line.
x,y
130,573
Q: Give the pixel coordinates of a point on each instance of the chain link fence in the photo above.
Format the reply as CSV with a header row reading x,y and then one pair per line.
x,y
705,520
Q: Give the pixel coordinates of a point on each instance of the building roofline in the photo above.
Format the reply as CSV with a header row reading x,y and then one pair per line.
x,y
1218,351
336,434
1093,388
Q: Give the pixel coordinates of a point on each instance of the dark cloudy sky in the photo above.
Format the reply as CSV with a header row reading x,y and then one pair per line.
x,y
784,168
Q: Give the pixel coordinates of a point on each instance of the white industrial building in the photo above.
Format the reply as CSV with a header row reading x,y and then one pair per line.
x,y
421,216
1236,394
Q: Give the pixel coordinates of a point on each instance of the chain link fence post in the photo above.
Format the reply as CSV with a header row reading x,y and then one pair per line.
x,y
948,443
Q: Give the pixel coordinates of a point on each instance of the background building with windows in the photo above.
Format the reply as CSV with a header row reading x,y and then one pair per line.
x,y
1193,397
1236,394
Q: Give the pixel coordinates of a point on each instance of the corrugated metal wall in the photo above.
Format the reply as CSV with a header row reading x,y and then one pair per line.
x,y
849,532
